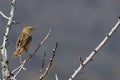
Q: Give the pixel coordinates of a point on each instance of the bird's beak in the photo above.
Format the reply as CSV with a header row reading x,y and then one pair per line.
x,y
33,29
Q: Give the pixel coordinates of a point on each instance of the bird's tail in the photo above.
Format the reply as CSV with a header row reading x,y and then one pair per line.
x,y
17,52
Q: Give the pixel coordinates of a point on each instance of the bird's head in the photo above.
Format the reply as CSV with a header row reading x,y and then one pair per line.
x,y
28,29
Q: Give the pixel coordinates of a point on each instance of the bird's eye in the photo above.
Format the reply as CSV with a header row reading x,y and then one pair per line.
x,y
31,29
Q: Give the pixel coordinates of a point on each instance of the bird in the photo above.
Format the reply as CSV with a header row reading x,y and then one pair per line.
x,y
23,42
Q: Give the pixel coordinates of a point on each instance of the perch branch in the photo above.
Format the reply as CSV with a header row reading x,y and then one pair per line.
x,y
50,63
90,57
6,74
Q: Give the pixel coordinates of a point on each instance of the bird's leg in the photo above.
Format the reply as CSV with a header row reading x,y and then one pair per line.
x,y
21,61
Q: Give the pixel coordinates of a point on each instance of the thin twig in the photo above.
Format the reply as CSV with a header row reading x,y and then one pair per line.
x,y
50,63
4,15
90,57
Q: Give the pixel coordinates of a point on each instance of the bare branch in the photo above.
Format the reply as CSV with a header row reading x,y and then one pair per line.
x,y
5,68
4,15
50,63
90,57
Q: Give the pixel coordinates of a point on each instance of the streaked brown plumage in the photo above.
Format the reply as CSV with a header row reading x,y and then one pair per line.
x,y
23,42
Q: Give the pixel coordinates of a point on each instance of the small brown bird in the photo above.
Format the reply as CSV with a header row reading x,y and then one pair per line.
x,y
23,42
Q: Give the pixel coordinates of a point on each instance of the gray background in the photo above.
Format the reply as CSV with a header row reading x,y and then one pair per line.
x,y
80,25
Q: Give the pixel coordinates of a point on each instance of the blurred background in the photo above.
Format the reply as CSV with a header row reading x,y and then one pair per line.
x,y
78,26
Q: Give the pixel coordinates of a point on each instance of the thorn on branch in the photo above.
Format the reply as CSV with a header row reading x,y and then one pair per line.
x,y
4,66
53,50
1,59
107,35
71,78
119,17
14,22
4,34
7,62
95,51
1,47
81,61
12,3
55,47
6,40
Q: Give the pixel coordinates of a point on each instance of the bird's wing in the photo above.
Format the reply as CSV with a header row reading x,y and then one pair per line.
x,y
23,40
27,44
